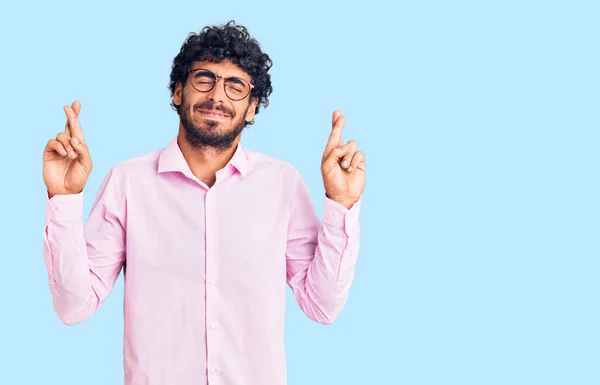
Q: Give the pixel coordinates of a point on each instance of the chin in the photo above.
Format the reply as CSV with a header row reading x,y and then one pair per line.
x,y
209,124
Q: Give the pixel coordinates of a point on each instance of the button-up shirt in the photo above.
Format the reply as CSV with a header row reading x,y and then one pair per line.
x,y
205,269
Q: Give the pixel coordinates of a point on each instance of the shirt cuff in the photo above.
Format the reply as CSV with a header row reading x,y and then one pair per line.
x,y
64,208
336,215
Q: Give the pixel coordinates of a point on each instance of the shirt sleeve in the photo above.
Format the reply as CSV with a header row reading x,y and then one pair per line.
x,y
321,255
84,261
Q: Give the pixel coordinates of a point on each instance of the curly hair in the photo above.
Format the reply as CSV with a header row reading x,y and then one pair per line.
x,y
225,42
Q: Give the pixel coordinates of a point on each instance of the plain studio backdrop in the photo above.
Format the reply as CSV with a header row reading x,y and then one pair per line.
x,y
480,220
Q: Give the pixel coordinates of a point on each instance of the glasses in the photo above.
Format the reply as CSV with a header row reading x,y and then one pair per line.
x,y
204,80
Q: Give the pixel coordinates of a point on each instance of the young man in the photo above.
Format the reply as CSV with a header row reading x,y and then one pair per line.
x,y
207,233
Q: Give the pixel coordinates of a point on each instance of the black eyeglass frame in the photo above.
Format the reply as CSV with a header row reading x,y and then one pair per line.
x,y
225,81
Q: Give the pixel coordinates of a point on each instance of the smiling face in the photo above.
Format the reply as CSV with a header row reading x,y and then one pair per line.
x,y
211,118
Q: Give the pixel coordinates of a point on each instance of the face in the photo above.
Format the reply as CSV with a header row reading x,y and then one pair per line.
x,y
212,119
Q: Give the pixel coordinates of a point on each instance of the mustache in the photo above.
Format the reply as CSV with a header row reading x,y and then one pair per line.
x,y
210,105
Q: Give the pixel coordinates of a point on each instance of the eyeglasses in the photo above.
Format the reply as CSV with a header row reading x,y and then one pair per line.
x,y
204,80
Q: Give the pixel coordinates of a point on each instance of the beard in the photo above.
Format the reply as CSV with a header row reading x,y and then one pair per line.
x,y
206,134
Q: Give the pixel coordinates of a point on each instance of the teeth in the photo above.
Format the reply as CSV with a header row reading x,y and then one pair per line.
x,y
212,113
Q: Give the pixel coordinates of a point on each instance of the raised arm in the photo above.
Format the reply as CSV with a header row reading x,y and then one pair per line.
x,y
83,262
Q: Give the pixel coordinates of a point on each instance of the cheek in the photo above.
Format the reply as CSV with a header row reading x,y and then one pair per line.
x,y
245,111
189,96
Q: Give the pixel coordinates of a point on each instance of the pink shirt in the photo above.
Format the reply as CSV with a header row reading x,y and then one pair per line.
x,y
205,269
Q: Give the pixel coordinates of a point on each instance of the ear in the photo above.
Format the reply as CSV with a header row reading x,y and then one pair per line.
x,y
177,94
251,110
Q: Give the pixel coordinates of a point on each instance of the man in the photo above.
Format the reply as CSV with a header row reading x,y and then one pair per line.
x,y
207,233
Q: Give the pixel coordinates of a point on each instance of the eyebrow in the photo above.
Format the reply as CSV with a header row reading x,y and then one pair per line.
x,y
235,79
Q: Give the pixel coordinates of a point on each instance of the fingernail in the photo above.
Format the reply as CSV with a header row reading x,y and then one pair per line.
x,y
75,141
345,163
73,154
350,168
63,152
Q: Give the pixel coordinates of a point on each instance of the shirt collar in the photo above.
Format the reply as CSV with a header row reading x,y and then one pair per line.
x,y
171,159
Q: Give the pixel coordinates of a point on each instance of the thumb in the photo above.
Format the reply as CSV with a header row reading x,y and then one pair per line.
x,y
334,156
83,152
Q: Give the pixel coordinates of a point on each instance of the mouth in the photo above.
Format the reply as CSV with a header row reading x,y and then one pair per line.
x,y
212,114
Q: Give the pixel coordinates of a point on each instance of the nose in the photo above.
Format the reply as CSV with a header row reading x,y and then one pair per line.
x,y
217,94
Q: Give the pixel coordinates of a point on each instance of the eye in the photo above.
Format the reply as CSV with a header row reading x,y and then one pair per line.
x,y
235,88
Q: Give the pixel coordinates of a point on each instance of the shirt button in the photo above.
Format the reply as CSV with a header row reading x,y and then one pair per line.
x,y
211,235
211,281
214,371
338,290
336,214
212,325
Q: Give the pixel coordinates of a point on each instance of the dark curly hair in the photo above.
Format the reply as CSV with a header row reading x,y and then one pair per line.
x,y
225,42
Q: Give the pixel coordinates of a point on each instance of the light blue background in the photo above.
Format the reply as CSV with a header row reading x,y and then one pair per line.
x,y
480,125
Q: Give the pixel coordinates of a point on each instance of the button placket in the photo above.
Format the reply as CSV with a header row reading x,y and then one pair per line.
x,y
212,333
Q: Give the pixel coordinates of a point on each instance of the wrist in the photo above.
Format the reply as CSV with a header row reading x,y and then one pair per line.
x,y
344,201
53,194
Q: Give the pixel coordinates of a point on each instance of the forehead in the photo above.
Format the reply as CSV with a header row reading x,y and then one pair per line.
x,y
225,68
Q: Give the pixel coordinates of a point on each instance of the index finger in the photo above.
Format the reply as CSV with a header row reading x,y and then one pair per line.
x,y
76,107
73,122
336,115
335,138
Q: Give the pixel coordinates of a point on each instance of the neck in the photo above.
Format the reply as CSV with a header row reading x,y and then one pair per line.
x,y
204,162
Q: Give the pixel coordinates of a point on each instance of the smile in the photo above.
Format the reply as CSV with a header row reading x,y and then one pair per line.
x,y
213,114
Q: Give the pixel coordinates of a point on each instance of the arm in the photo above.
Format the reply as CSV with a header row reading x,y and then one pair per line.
x,y
321,256
84,261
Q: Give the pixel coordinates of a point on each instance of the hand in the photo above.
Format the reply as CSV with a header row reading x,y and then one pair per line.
x,y
343,168
67,162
